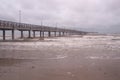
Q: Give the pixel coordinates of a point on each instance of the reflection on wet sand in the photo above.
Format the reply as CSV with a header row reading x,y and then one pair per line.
x,y
11,61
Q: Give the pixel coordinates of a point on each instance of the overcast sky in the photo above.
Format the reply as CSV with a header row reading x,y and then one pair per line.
x,y
91,15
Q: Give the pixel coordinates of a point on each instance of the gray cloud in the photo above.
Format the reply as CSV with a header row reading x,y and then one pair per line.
x,y
93,15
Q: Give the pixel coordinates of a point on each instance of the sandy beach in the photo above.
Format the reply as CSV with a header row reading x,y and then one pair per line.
x,y
62,58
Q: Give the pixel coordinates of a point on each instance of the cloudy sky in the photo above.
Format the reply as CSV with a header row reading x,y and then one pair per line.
x,y
91,15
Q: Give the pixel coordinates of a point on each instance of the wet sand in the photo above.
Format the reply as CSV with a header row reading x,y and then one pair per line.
x,y
64,58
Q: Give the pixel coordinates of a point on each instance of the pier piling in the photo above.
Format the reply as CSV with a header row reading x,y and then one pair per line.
x,y
21,34
13,35
3,34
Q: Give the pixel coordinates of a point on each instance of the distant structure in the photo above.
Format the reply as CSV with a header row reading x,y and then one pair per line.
x,y
12,26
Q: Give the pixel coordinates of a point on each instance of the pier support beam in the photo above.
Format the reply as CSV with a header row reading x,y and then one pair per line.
x,y
40,34
43,34
63,33
29,36
59,33
21,34
3,34
49,34
55,33
34,34
13,35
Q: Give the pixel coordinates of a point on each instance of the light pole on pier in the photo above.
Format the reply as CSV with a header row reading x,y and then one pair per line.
x,y
19,16
20,22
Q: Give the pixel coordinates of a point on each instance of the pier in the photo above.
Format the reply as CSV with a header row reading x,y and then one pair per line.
x,y
31,28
